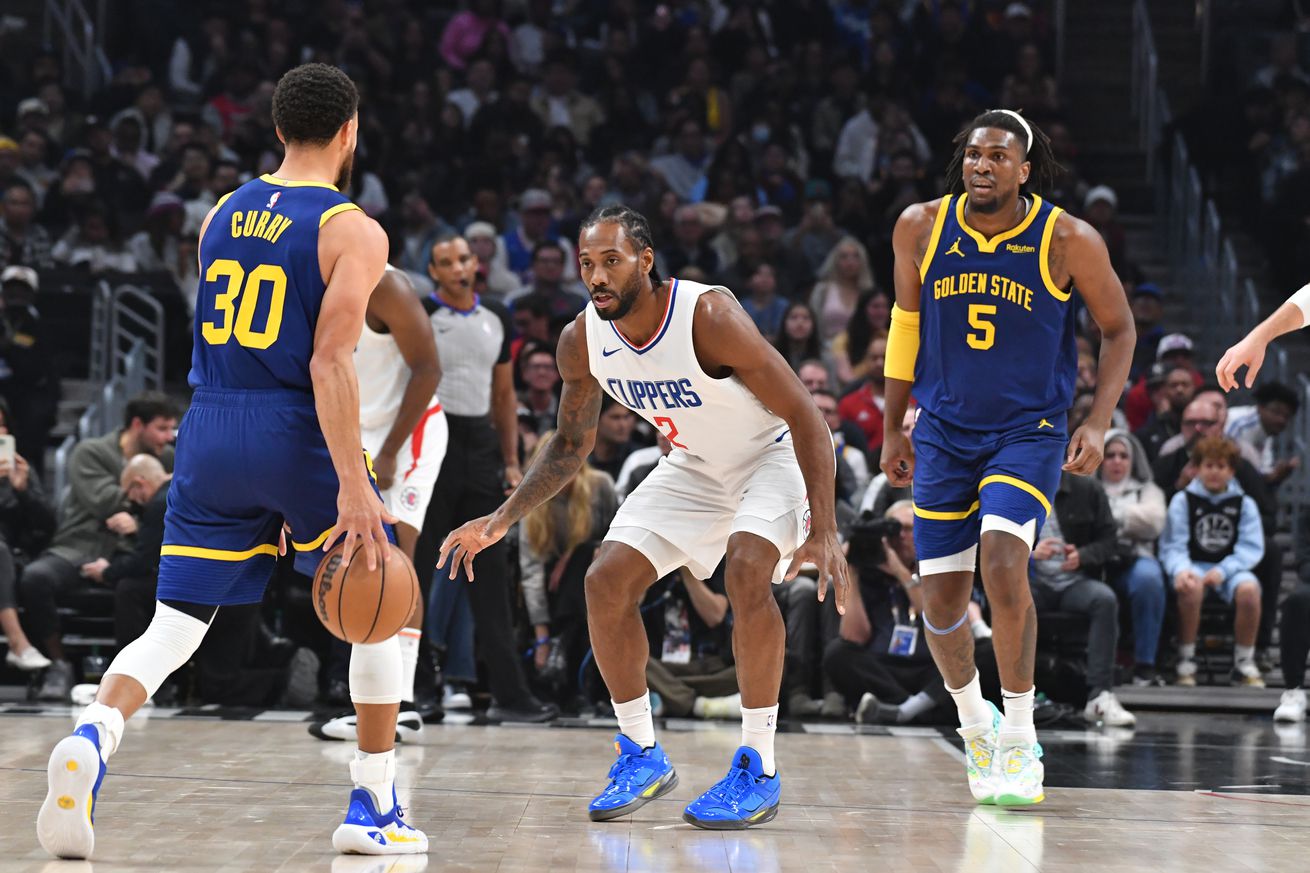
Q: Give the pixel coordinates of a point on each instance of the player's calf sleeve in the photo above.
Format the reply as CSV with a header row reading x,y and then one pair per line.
x,y
169,641
375,672
902,345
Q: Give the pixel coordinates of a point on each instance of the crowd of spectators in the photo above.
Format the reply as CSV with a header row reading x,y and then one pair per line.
x,y
772,146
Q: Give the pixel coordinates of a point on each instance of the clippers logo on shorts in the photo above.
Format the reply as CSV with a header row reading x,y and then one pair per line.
x,y
325,585
409,497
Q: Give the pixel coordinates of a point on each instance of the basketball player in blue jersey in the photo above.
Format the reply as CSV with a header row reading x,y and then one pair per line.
x,y
983,335
287,265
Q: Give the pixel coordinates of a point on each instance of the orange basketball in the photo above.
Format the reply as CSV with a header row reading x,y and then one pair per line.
x,y
359,605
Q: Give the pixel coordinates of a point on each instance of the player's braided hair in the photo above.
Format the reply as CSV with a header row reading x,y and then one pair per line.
x,y
1044,165
634,225
311,103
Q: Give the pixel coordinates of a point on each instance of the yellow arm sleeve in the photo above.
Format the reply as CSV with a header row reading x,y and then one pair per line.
x,y
902,345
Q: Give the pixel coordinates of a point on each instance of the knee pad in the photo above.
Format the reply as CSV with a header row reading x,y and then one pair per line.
x,y
376,672
168,642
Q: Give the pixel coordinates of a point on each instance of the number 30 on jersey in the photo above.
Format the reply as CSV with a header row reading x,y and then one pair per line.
x,y
235,306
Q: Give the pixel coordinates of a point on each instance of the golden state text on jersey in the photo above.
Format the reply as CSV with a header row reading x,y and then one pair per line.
x,y
996,333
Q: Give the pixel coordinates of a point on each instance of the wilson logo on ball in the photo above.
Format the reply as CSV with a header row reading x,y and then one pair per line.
x,y
325,584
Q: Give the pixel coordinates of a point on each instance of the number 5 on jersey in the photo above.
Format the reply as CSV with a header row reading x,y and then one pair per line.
x,y
661,422
988,336
238,319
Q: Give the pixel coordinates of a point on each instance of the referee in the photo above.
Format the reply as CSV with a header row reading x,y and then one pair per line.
x,y
477,391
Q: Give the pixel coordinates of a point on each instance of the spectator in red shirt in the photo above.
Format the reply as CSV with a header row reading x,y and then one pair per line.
x,y
864,405
1175,350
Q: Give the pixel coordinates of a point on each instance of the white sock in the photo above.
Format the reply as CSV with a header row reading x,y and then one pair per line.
x,y
1187,651
109,721
1243,654
410,638
635,721
757,729
970,704
377,772
980,630
1017,720
915,706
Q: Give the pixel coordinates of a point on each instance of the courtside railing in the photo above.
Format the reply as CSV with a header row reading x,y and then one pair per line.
x,y
1202,259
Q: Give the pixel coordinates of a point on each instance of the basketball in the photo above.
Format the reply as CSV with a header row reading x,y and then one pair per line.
x,y
359,605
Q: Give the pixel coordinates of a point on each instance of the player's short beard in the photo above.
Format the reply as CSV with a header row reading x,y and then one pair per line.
x,y
343,174
626,297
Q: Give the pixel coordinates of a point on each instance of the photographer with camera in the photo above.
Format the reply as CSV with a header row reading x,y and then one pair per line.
x,y
880,658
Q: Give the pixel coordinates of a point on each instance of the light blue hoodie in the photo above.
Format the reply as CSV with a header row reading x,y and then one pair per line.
x,y
1250,548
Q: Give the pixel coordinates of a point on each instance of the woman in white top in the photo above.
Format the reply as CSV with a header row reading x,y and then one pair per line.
x,y
844,275
1138,506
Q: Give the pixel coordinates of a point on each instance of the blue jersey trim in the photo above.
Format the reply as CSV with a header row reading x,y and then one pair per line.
x,y
664,328
477,301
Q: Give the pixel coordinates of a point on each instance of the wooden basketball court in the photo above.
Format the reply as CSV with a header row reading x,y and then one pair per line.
x,y
195,791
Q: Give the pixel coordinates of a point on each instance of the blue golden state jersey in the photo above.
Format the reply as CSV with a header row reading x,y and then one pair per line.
x,y
261,286
996,335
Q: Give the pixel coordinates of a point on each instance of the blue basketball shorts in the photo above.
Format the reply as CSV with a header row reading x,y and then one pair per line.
x,y
962,475
246,461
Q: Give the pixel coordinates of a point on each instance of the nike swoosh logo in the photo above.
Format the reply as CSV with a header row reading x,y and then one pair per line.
x,y
605,353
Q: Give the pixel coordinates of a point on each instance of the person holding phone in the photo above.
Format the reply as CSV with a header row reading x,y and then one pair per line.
x,y
27,520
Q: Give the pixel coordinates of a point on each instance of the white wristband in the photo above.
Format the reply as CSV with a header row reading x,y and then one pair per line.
x,y
1301,299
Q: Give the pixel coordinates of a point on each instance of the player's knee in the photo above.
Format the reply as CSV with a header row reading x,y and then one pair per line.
x,y
607,587
1008,596
1004,557
169,641
749,579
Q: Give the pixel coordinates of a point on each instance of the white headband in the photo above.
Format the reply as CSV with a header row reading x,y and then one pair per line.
x,y
1026,129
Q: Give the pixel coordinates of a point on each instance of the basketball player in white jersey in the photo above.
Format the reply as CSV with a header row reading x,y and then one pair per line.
x,y
403,429
1249,352
749,445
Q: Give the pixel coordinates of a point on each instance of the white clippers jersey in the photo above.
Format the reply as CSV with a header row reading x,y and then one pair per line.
x,y
716,420
383,377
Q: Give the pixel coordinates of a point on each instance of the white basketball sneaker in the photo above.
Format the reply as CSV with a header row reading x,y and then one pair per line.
x,y
980,755
65,825
368,832
409,725
1019,773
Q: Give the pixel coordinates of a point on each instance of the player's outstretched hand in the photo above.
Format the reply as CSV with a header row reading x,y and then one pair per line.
x,y
898,459
1249,352
825,552
1086,447
361,515
465,541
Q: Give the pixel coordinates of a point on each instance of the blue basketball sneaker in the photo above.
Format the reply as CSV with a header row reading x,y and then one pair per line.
x,y
742,799
368,832
65,824
637,777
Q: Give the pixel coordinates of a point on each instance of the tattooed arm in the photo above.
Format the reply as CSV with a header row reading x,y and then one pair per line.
x,y
557,462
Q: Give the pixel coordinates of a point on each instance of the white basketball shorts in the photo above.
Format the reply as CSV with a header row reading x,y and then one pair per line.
x,y
683,513
417,464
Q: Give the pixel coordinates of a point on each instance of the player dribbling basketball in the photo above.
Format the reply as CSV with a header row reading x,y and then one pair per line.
x,y
287,264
